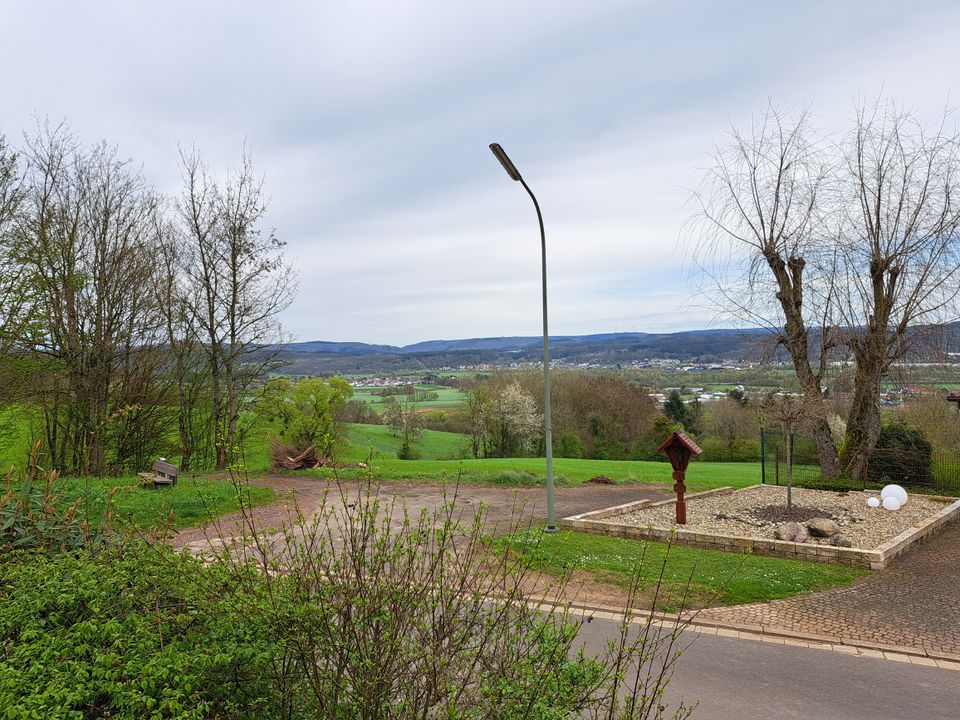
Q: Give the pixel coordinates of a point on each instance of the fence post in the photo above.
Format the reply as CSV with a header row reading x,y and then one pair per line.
x,y
776,464
763,456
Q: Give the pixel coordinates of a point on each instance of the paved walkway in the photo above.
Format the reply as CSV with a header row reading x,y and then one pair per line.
x,y
914,603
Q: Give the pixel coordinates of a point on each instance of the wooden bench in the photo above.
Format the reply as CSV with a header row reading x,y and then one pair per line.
x,y
163,474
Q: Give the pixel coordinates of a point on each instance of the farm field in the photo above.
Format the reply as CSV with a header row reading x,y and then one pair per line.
x,y
446,397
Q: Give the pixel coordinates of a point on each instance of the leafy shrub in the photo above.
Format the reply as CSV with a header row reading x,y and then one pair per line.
x,y
381,614
128,633
33,515
516,478
357,611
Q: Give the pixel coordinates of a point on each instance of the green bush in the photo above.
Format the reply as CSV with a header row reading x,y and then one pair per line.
x,y
570,446
716,450
902,455
349,617
839,484
132,632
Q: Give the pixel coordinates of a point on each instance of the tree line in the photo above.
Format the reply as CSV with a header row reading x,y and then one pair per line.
x,y
596,416
133,324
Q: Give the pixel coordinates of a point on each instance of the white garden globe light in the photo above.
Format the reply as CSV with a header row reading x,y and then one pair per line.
x,y
891,503
894,491
873,502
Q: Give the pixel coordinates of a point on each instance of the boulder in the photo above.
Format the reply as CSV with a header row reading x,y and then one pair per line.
x,y
822,527
840,540
791,532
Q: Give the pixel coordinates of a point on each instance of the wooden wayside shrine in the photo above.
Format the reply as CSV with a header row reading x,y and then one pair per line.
x,y
680,448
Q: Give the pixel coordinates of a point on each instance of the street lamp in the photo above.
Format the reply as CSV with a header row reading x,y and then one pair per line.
x,y
548,439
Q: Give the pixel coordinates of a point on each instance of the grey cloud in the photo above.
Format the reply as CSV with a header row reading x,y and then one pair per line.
x,y
371,121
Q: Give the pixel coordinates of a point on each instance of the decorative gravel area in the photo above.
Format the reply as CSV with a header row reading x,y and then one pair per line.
x,y
757,511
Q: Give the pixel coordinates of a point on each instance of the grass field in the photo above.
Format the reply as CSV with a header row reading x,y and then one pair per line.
x,y
532,471
379,439
192,500
729,577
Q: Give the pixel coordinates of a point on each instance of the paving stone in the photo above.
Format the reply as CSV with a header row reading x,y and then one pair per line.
x,y
913,605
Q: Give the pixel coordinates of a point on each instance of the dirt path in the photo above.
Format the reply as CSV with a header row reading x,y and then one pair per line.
x,y
503,504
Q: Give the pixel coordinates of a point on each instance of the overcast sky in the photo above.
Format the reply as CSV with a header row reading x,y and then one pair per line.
x,y
371,120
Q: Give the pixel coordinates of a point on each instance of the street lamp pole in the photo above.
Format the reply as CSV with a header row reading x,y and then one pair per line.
x,y
548,428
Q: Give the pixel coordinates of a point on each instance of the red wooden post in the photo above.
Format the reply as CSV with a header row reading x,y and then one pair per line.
x,y
680,448
679,488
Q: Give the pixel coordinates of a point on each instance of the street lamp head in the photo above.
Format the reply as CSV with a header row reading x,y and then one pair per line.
x,y
505,161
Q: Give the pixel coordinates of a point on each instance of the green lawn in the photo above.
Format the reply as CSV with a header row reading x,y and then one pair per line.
x,y
431,445
731,577
567,471
192,500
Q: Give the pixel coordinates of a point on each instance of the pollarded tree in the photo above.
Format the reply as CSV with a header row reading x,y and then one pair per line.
x,y
759,239
898,250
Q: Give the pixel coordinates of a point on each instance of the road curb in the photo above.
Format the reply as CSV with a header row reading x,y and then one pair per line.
x,y
783,636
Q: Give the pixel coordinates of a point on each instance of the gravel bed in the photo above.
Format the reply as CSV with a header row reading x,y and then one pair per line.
x,y
757,511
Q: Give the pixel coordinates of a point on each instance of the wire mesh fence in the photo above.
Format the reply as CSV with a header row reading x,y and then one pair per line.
x,y
924,470
775,469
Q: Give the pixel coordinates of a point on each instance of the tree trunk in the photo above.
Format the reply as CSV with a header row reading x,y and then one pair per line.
x,y
863,422
789,276
789,431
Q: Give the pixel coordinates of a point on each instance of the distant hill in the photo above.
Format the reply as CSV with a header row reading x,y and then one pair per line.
x,y
609,349
320,357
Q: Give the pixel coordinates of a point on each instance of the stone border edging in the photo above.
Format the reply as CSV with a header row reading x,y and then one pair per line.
x,y
593,522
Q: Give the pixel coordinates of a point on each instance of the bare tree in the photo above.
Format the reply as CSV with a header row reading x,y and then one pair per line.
x,y
189,372
730,421
237,283
842,248
760,224
899,252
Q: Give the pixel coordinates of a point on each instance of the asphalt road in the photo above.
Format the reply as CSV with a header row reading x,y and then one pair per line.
x,y
750,680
